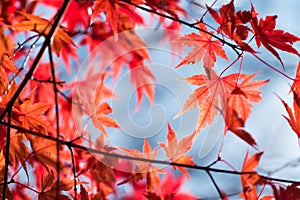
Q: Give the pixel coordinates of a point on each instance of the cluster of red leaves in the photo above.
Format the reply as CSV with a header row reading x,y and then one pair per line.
x,y
111,22
35,107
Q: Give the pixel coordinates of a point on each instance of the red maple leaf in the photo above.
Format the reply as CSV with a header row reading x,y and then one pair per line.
x,y
266,35
176,150
210,96
236,125
224,94
249,180
96,108
232,24
204,48
244,93
296,84
145,169
293,117
43,26
81,8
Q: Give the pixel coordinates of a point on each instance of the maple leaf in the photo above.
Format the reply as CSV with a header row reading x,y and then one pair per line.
x,y
100,173
226,18
82,17
8,64
83,193
232,24
18,151
176,150
205,48
266,35
31,115
244,93
142,79
169,6
99,110
133,51
43,26
296,84
145,169
45,152
249,180
236,125
50,193
210,96
290,192
293,117
171,188
6,44
111,10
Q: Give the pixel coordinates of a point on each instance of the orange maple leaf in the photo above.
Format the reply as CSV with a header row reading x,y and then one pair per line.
x,y
294,117
45,152
266,35
111,10
7,46
210,96
236,125
99,110
223,94
43,26
146,169
31,115
18,151
205,48
244,93
249,180
176,150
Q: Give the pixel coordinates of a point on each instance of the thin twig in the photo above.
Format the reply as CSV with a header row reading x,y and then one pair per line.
x,y
74,171
234,47
215,184
55,90
7,149
115,155
60,83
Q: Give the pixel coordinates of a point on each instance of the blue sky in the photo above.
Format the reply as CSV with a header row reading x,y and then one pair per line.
x,y
266,124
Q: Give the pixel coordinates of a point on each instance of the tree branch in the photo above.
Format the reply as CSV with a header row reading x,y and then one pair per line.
x,y
7,148
37,59
234,47
55,90
114,155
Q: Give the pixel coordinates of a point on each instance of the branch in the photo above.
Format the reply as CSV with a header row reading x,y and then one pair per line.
x,y
74,171
37,59
114,155
55,90
215,184
234,47
7,148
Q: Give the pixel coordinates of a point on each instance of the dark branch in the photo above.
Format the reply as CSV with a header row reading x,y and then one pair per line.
x,y
234,47
7,149
55,90
37,59
215,184
115,155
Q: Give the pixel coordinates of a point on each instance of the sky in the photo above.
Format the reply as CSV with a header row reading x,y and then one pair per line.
x,y
267,126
